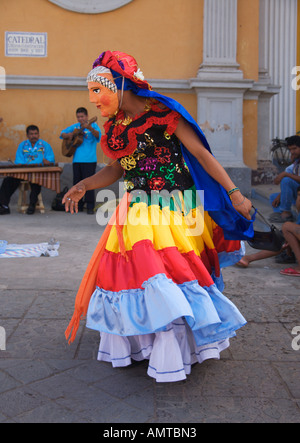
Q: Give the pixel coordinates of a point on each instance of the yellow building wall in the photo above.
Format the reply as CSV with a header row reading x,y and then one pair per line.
x,y
155,32
166,39
250,133
164,46
248,59
49,110
248,38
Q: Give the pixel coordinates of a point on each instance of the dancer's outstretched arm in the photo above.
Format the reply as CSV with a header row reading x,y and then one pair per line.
x,y
105,177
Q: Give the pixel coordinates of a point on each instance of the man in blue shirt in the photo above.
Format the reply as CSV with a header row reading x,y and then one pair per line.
x,y
30,152
289,182
85,157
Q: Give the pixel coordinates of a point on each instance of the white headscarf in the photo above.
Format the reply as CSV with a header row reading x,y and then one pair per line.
x,y
95,76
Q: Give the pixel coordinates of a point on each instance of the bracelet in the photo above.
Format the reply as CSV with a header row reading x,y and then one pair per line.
x,y
232,191
240,204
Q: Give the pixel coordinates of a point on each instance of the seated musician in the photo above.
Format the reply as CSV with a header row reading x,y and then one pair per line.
x,y
32,151
85,157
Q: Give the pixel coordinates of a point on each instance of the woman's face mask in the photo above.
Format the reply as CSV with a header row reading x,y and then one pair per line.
x,y
104,95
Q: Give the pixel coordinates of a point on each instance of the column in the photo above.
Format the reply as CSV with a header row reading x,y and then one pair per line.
x,y
220,86
277,57
281,42
220,34
265,82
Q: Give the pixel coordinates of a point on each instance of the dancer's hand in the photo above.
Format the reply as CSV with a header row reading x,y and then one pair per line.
x,y
242,204
73,196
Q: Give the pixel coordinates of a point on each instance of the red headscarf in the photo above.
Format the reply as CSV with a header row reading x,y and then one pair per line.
x,y
124,64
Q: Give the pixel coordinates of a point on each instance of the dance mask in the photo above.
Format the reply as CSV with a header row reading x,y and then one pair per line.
x,y
103,91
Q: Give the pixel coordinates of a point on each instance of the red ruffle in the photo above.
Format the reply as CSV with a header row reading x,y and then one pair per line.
x,y
116,273
223,245
171,120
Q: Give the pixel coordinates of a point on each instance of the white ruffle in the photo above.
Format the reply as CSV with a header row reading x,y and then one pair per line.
x,y
171,353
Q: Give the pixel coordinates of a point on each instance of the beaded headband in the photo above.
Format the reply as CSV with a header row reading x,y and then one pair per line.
x,y
95,76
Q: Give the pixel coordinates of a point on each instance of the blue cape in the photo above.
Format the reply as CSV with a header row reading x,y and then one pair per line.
x,y
217,203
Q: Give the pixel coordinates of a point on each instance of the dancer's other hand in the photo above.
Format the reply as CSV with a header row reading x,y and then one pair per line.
x,y
73,196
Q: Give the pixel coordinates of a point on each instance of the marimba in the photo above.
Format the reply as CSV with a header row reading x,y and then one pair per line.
x,y
45,176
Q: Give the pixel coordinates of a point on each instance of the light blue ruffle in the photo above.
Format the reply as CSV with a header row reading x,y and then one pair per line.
x,y
144,311
230,318
219,282
231,258
227,259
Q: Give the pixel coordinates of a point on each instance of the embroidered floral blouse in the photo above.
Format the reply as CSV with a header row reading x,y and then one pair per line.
x,y
148,150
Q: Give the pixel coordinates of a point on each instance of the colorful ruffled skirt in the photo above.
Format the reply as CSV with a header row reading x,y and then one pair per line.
x,y
158,291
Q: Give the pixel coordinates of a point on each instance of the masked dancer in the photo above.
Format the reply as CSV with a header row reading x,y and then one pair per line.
x,y
153,288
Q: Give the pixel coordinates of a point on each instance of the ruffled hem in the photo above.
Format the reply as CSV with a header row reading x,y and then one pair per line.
x,y
171,353
227,259
211,316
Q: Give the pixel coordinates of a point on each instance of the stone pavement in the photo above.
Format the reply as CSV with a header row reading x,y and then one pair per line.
x,y
44,380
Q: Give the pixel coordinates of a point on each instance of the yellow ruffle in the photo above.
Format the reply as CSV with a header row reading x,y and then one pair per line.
x,y
164,228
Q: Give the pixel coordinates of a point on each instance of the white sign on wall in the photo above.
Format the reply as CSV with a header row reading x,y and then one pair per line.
x,y
26,44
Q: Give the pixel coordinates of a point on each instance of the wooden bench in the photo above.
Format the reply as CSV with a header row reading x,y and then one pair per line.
x,y
24,188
